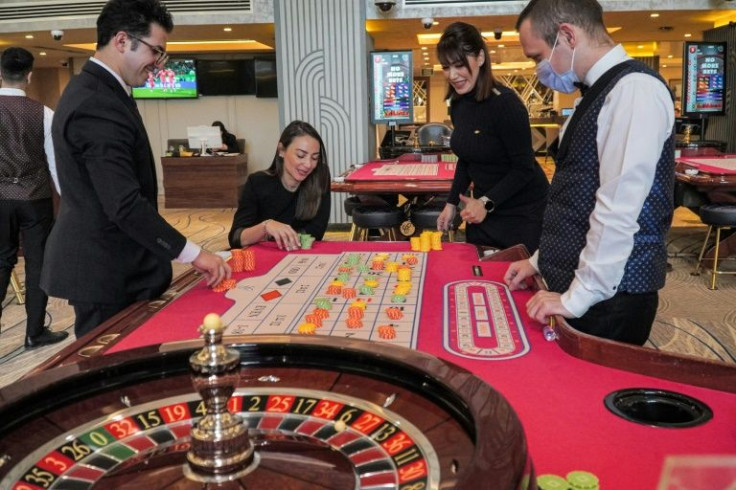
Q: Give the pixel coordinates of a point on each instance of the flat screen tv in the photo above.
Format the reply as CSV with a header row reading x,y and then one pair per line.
x,y
266,82
391,87
176,80
226,77
704,78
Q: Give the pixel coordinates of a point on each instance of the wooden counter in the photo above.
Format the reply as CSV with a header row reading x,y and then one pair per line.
x,y
203,182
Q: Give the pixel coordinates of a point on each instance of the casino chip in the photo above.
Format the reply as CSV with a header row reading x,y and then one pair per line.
x,y
552,482
582,480
224,285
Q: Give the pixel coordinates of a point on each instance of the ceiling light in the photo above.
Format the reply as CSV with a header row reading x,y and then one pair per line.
x,y
435,23
227,29
670,56
424,48
29,36
493,51
664,66
42,53
501,45
654,14
688,35
641,46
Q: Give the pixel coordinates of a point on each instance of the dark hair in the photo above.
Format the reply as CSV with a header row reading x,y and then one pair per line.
x,y
16,64
459,41
221,126
311,190
132,16
546,16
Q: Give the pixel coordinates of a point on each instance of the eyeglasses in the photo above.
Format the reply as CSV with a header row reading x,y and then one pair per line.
x,y
161,55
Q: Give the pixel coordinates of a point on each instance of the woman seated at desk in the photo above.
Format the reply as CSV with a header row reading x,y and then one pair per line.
x,y
229,142
292,196
492,139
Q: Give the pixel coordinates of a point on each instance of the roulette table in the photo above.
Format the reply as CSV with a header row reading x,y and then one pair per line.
x,y
542,409
401,176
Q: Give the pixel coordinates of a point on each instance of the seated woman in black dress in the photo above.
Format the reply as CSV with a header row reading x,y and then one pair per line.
x,y
292,196
229,142
492,139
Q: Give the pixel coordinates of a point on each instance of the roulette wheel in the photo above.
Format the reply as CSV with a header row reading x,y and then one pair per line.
x,y
319,413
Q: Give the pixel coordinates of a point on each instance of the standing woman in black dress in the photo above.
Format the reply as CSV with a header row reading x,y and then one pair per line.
x,y
492,139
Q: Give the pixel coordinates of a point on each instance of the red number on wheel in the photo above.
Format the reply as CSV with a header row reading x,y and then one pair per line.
x,y
327,410
397,444
367,422
122,428
412,472
280,404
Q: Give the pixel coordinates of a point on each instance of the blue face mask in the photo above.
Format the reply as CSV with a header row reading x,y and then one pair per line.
x,y
549,77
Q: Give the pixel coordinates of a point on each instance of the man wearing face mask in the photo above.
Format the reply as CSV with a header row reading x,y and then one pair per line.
x,y
602,252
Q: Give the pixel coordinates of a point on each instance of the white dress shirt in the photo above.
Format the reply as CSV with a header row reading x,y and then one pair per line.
x,y
191,250
48,144
636,119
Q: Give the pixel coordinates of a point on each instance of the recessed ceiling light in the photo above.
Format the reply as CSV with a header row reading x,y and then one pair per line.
x,y
42,53
227,29
641,46
435,23
501,45
493,51
424,48
688,35
654,14
29,36
670,56
664,66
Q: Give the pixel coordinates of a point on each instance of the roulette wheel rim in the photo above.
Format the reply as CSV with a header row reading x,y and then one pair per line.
x,y
499,452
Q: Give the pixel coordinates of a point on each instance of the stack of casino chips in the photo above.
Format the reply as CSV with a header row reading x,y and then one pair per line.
x,y
224,285
386,332
394,313
243,260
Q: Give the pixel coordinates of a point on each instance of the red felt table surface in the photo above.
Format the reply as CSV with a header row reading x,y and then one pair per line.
x,y
445,171
559,398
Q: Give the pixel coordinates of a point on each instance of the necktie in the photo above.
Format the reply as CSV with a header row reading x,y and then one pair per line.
x,y
582,87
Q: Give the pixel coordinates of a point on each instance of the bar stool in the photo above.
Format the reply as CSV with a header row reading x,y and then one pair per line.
x,y
425,218
385,219
349,204
720,217
18,288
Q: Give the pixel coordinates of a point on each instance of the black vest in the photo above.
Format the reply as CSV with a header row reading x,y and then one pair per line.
x,y
572,199
24,172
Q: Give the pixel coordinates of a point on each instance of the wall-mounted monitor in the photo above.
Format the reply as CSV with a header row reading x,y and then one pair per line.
x,y
391,87
226,77
176,80
196,135
266,82
704,78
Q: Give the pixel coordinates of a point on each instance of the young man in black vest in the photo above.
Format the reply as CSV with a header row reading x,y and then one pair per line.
x,y
602,251
110,247
26,209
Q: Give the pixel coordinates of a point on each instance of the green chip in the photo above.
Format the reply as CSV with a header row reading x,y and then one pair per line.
x,y
552,482
582,480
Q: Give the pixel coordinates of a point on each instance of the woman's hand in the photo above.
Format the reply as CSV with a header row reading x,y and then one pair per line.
x,y
444,220
284,235
474,211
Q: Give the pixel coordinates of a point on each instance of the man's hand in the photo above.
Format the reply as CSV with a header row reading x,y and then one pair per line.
x,y
544,304
517,274
213,267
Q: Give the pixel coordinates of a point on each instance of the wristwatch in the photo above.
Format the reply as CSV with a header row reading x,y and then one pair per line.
x,y
489,205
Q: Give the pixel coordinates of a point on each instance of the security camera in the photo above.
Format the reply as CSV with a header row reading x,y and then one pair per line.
x,y
428,22
57,34
385,5
497,33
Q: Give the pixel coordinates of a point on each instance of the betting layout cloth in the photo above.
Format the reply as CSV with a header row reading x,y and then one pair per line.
x,y
477,318
395,170
716,165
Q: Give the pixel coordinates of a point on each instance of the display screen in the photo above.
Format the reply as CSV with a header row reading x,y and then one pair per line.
x,y
176,80
226,77
391,87
266,80
704,78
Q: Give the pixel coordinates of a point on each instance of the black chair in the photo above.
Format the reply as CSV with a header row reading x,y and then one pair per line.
x,y
387,220
721,217
433,134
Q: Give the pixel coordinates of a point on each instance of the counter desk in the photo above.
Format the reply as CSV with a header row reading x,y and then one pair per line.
x,y
204,182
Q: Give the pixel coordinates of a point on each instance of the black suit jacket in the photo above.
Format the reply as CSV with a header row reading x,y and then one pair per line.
x,y
109,244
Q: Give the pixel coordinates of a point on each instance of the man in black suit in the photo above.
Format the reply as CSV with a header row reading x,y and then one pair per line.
x,y
110,247
26,209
